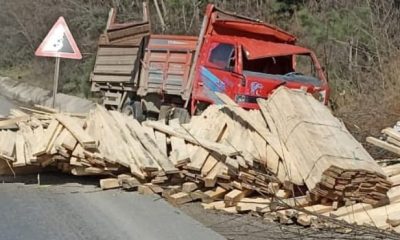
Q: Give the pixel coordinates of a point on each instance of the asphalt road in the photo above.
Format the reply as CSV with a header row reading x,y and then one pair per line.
x,y
75,211
71,208
5,106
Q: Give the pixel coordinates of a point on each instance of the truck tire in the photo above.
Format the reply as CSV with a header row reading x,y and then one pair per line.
x,y
127,110
137,111
182,114
165,112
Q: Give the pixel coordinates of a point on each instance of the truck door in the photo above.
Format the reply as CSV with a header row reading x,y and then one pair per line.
x,y
219,74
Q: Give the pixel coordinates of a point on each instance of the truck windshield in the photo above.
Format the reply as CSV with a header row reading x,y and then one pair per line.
x,y
291,68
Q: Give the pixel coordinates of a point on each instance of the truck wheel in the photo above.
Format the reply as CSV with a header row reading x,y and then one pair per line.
x,y
200,107
165,112
137,110
182,114
127,110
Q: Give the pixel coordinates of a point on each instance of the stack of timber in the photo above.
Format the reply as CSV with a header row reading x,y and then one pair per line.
x,y
390,140
318,147
285,163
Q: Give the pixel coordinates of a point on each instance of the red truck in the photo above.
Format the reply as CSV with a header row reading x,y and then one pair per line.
x,y
172,75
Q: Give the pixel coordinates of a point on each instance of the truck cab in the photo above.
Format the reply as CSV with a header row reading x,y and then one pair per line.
x,y
247,59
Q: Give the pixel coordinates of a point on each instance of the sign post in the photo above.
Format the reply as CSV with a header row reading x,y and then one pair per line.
x,y
58,43
55,83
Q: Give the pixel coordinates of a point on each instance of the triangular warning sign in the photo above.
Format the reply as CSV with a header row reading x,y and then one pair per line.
x,y
59,43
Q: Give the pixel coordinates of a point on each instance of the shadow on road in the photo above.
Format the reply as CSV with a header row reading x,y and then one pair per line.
x,y
51,178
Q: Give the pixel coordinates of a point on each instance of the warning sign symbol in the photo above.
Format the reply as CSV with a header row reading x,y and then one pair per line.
x,y
59,43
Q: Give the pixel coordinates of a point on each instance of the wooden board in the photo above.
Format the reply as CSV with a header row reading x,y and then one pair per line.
x,y
200,156
161,140
76,130
46,138
178,146
210,145
382,144
19,150
152,148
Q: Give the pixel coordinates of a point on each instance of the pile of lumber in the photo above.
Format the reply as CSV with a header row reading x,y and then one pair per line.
x,y
390,140
108,142
319,149
291,154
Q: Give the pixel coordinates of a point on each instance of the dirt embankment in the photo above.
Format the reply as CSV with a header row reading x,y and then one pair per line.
x,y
29,95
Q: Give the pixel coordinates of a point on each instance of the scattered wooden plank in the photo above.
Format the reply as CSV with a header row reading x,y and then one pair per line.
x,y
109,183
395,180
179,198
179,153
76,130
391,133
145,190
211,179
319,208
69,142
152,148
382,144
212,195
394,194
161,140
208,165
13,121
141,157
200,156
213,205
188,187
233,197
19,151
50,147
46,138
375,217
210,145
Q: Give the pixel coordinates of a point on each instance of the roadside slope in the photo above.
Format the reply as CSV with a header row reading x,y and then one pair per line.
x,y
25,93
